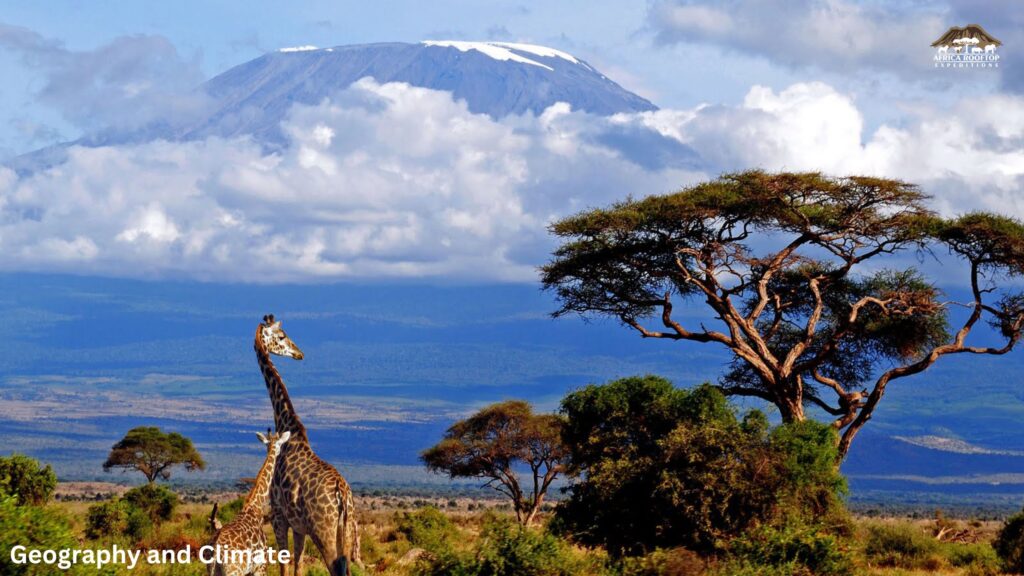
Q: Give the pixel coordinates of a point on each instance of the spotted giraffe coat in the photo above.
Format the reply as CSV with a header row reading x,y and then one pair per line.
x,y
307,495
245,532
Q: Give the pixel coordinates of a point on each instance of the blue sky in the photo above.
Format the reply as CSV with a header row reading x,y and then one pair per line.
x,y
841,86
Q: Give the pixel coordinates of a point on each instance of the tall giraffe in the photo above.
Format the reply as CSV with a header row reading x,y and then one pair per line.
x,y
307,495
245,532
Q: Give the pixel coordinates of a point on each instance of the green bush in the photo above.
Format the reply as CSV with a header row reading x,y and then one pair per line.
x,y
903,546
117,517
792,549
979,559
507,549
426,528
661,562
1009,543
21,476
156,501
653,466
228,511
32,527
108,518
137,524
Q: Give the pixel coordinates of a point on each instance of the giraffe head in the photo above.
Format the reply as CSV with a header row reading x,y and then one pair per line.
x,y
276,341
274,441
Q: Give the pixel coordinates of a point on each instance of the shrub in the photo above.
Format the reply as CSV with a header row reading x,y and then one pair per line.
x,y
792,549
507,549
902,546
21,477
228,511
1009,543
138,523
671,562
154,500
427,528
106,519
33,527
654,466
979,559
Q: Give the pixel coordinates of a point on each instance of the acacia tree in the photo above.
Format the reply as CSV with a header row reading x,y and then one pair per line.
x,y
492,443
153,453
792,266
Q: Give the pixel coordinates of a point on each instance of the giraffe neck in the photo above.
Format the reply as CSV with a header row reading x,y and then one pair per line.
x,y
285,418
257,498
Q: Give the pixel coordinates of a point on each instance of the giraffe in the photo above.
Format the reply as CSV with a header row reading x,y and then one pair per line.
x,y
245,532
307,495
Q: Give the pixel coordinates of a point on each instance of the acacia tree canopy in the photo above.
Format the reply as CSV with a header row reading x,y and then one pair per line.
x,y
792,266
492,443
154,453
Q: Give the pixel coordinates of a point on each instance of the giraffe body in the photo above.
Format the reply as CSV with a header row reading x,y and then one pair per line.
x,y
245,532
307,495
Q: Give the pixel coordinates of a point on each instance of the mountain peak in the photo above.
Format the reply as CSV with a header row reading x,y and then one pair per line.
x,y
507,51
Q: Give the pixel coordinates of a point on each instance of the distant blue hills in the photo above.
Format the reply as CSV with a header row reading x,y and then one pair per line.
x,y
389,367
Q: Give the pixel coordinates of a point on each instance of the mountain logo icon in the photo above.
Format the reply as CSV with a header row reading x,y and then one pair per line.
x,y
969,46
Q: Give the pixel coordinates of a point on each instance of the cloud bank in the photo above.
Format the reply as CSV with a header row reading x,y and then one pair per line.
x,y
393,181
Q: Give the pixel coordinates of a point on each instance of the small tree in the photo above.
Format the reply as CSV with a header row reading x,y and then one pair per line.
x,y
153,453
21,477
492,443
654,466
792,267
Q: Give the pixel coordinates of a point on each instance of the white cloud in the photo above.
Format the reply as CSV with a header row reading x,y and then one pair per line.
x,y
396,181
838,35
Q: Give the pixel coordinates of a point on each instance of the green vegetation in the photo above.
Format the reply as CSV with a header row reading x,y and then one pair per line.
x,y
1009,543
793,267
654,466
493,442
507,548
153,453
31,526
22,477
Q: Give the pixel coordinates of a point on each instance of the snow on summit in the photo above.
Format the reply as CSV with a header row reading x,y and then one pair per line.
x,y
506,51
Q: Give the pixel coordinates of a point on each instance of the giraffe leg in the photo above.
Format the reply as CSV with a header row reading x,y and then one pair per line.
x,y
344,546
280,525
327,543
298,546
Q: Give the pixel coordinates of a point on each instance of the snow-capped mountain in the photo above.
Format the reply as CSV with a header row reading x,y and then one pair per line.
x,y
494,78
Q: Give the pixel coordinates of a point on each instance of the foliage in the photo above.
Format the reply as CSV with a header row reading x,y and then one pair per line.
x,y
32,527
793,548
133,515
427,528
493,442
654,466
979,558
154,453
789,265
506,548
1009,543
228,511
21,477
156,502
902,545
106,519
661,562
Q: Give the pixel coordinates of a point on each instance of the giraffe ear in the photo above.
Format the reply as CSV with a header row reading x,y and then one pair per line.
x,y
284,437
275,325
262,438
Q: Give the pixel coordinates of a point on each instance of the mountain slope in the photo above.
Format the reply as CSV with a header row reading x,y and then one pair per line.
x,y
253,98
493,79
